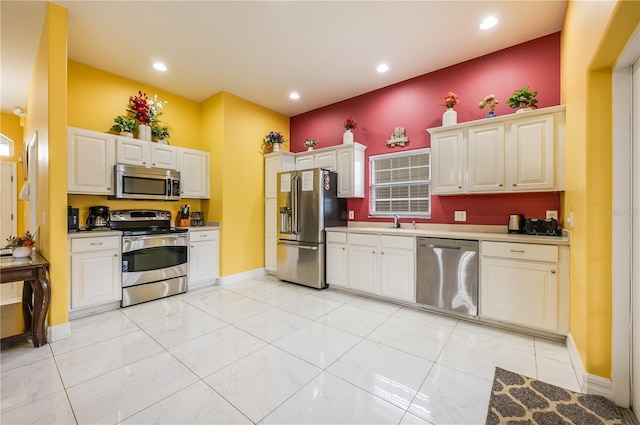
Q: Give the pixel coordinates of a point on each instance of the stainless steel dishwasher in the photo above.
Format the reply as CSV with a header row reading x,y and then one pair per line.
x,y
447,274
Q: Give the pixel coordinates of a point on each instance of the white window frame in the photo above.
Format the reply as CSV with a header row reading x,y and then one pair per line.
x,y
7,141
373,185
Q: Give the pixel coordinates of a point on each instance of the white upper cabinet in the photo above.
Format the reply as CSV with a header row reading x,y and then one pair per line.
x,y
448,153
514,153
145,154
350,169
91,159
194,173
531,154
324,159
273,164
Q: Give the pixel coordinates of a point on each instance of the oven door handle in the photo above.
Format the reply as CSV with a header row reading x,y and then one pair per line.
x,y
137,243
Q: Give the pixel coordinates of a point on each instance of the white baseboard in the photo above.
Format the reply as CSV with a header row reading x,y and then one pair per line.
x,y
239,277
589,384
58,332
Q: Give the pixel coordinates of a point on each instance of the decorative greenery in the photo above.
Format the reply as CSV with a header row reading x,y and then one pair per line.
x,y
124,124
18,241
523,98
310,142
160,133
490,101
450,100
350,124
273,137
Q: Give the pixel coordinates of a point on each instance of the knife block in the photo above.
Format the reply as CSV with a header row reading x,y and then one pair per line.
x,y
182,222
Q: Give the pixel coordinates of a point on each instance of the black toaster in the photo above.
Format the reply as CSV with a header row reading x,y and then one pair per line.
x,y
542,226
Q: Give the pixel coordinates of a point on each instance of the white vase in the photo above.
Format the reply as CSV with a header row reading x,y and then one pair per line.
x,y
347,137
450,117
309,148
126,133
22,251
144,132
276,147
521,110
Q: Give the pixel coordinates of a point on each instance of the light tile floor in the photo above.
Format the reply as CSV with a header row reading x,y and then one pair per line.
x,y
269,352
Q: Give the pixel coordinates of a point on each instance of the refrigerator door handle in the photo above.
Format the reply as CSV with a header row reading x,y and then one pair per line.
x,y
312,248
296,205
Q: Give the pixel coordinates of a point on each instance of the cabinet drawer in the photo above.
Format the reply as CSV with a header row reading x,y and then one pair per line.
x,y
95,244
520,251
358,239
400,242
201,236
338,237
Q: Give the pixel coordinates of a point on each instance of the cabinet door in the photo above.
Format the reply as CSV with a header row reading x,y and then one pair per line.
x,y
194,173
304,162
363,268
132,151
270,235
397,274
337,265
448,153
272,166
95,278
204,259
91,158
520,292
163,156
531,155
326,160
485,149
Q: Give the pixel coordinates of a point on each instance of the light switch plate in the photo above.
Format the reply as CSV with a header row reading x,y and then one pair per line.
x,y
552,214
460,216
351,215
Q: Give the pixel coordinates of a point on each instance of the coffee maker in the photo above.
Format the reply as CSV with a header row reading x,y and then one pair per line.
x,y
98,218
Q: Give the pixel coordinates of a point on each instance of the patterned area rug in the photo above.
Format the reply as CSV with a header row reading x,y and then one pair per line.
x,y
517,399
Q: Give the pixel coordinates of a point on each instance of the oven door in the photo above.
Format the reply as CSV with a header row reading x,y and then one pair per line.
x,y
151,258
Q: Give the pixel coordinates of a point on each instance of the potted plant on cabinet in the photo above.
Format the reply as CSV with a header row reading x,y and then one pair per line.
x,y
160,134
523,100
124,125
274,139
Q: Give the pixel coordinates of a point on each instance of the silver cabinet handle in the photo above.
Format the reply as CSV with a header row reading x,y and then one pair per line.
x,y
95,243
519,251
203,236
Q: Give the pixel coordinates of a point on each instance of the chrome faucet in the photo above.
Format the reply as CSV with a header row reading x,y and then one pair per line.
x,y
396,222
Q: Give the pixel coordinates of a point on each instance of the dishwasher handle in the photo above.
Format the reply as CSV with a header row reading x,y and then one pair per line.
x,y
444,246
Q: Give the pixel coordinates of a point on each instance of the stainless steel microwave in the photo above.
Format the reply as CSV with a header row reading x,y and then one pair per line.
x,y
132,182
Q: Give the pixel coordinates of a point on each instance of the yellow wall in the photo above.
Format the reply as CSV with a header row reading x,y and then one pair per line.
x,y
47,116
234,129
96,97
10,127
593,36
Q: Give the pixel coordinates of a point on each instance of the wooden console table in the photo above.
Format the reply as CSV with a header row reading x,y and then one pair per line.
x,y
29,317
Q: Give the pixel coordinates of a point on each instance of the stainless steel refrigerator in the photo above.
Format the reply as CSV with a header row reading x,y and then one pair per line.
x,y
307,203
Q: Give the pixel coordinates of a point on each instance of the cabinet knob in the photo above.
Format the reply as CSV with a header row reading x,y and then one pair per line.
x,y
144,163
154,164
500,185
115,255
343,248
459,187
373,252
515,184
191,246
382,253
553,272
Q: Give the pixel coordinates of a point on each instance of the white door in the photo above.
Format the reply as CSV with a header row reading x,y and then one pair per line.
x,y
8,210
635,273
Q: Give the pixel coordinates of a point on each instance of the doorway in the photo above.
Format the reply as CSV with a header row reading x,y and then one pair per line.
x,y
8,201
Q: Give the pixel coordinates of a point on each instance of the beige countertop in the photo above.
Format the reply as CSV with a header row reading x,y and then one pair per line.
x,y
480,233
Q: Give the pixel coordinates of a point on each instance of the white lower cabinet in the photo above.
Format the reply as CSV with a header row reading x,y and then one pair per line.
x,y
336,259
270,235
522,284
95,266
381,265
204,257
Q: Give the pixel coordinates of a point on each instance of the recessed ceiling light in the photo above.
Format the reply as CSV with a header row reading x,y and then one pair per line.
x,y
159,66
489,22
383,67
294,96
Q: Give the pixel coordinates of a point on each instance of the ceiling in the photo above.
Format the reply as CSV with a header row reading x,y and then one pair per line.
x,y
327,51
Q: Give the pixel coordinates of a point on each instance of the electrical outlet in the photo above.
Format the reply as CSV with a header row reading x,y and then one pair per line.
x,y
351,215
552,214
570,219
460,216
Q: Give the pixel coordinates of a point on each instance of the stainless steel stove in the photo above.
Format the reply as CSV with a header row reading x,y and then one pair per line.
x,y
154,255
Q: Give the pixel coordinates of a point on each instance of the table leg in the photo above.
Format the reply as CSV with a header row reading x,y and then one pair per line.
x,y
41,301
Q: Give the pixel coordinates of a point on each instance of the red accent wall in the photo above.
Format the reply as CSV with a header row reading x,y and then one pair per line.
x,y
414,105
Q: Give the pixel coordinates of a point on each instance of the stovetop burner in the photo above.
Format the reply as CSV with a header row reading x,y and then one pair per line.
x,y
142,222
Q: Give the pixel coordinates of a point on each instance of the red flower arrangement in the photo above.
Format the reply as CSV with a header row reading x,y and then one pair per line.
x,y
350,124
450,100
139,106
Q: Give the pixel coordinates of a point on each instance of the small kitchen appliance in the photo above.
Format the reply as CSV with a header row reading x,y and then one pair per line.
x,y
154,255
98,218
134,182
516,223
307,203
73,222
542,227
